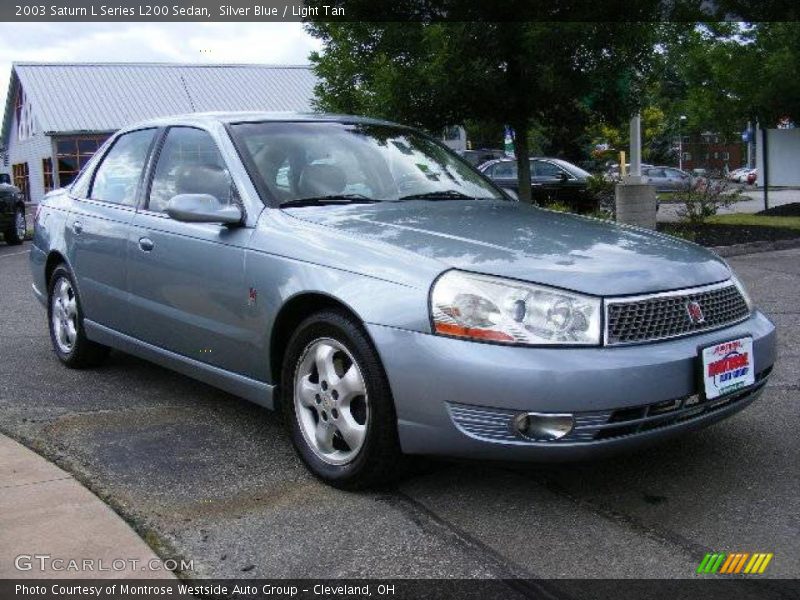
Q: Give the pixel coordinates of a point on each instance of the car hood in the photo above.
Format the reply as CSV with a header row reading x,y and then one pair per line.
x,y
509,239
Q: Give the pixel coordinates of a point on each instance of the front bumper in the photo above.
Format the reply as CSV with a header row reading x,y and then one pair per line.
x,y
444,388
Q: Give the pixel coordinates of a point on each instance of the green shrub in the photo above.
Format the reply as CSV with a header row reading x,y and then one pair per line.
x,y
704,198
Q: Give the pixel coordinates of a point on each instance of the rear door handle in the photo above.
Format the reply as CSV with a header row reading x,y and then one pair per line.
x,y
146,244
77,227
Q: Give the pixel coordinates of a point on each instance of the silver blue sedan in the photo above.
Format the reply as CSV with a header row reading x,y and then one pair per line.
x,y
387,297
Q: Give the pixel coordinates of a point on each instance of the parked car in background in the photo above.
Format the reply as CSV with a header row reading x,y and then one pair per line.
x,y
12,214
737,173
667,179
552,181
752,177
613,173
387,297
480,156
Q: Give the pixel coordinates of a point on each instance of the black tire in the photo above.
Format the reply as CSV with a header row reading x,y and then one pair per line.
x,y
83,353
379,460
12,235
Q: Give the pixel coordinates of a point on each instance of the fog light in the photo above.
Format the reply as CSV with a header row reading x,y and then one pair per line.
x,y
543,427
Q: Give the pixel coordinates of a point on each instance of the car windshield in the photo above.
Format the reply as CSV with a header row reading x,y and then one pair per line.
x,y
329,162
574,169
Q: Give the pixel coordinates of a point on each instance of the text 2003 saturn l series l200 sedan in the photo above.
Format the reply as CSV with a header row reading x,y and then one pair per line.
x,y
391,298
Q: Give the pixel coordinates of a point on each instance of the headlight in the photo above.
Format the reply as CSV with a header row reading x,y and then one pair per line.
x,y
480,307
742,291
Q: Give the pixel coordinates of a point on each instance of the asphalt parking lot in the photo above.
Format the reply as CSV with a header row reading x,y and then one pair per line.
x,y
203,475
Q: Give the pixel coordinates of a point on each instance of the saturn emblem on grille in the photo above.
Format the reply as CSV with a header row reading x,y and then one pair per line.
x,y
695,312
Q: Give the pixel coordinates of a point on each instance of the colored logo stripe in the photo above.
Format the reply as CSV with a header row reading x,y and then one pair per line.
x,y
720,562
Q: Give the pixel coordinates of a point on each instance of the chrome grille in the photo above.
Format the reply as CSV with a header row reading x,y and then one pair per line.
x,y
665,315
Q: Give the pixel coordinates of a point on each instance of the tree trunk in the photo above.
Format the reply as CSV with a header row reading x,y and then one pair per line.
x,y
523,163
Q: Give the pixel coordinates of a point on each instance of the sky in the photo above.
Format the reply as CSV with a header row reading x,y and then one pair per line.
x,y
276,43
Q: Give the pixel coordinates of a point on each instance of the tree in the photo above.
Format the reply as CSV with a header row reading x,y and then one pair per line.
x,y
524,74
721,75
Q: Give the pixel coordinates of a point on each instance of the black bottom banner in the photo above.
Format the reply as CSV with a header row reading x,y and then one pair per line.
x,y
401,589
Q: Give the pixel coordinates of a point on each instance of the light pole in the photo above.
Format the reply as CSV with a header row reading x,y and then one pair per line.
x,y
680,142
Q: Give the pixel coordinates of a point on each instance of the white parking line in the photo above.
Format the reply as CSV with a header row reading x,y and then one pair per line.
x,y
13,254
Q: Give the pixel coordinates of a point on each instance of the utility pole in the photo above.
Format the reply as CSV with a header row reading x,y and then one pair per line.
x,y
680,141
765,165
635,131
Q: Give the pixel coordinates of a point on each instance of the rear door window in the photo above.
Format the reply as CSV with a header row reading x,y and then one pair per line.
x,y
118,176
545,170
505,170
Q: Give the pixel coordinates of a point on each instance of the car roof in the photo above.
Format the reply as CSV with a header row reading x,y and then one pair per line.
x,y
201,118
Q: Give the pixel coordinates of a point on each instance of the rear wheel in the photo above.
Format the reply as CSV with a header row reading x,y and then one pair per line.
x,y
16,230
65,318
337,403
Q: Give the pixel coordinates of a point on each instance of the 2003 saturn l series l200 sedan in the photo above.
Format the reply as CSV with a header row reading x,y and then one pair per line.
x,y
387,296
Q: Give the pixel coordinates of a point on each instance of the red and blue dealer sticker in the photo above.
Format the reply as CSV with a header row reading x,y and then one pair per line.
x,y
728,367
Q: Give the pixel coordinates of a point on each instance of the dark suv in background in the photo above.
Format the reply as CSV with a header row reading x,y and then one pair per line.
x,y
12,212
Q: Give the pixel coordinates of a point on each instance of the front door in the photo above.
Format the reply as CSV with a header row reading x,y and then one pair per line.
x,y
186,280
97,229
548,181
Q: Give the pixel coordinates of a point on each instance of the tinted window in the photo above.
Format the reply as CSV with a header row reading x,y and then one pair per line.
x,y
545,169
189,163
505,169
117,177
656,173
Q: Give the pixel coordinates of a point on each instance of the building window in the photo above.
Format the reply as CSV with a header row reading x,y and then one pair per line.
x,y
725,156
20,171
72,154
687,156
24,116
47,174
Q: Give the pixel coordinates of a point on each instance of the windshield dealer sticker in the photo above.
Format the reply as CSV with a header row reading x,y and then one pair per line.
x,y
728,367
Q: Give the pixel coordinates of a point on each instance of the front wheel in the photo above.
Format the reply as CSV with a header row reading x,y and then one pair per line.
x,y
15,233
65,317
337,403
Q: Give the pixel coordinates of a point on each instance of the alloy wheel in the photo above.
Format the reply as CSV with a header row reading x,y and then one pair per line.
x,y
64,315
330,401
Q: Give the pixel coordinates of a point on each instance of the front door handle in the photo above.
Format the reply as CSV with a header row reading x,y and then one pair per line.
x,y
77,227
146,244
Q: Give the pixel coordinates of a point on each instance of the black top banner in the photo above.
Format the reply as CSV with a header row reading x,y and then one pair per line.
x,y
402,10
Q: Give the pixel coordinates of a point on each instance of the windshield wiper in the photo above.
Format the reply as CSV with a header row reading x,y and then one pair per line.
x,y
329,199
440,195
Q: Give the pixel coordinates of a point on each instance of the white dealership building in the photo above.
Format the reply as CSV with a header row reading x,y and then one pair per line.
x,y
57,114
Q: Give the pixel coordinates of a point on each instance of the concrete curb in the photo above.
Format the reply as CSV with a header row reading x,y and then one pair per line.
x,y
755,247
45,512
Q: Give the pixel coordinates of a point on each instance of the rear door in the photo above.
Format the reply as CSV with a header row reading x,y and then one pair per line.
x,y
186,280
678,179
504,174
97,228
658,178
548,180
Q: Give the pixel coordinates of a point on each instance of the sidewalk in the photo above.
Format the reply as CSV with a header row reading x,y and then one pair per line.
x,y
752,202
45,512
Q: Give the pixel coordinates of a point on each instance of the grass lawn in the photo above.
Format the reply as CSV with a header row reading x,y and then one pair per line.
x,y
748,220
667,197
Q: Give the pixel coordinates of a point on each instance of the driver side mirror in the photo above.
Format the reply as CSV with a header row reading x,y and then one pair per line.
x,y
203,208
